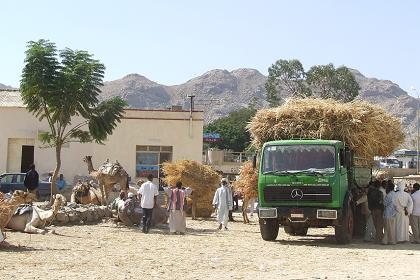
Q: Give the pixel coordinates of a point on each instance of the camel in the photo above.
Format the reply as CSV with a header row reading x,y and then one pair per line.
x,y
107,181
34,221
245,204
130,213
85,193
8,207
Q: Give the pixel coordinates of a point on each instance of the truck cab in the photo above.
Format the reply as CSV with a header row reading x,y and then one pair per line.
x,y
306,183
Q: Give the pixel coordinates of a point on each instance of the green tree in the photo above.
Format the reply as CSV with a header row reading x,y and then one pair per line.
x,y
328,82
232,130
288,76
60,86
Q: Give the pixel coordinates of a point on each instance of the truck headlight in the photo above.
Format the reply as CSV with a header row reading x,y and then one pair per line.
x,y
326,214
267,213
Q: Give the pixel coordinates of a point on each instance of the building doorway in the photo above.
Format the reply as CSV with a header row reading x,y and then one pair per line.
x,y
27,158
20,154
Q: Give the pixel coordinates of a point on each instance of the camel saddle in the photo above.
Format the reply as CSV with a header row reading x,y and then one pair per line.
x,y
111,169
22,209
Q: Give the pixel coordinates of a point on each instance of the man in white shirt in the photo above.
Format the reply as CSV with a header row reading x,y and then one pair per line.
x,y
148,193
415,216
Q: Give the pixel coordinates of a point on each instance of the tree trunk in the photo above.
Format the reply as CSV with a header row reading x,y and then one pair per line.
x,y
56,171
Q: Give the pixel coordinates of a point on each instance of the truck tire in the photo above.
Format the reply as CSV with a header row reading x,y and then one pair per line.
x,y
289,230
359,222
269,229
297,231
302,231
344,231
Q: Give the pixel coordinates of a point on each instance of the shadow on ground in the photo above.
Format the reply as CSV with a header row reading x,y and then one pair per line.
x,y
328,241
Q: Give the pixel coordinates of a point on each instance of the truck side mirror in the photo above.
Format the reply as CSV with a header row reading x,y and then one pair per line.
x,y
348,158
254,161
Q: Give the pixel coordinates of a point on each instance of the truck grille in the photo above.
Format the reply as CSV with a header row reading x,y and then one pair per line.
x,y
297,193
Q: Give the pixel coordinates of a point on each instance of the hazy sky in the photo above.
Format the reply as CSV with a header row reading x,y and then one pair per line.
x,y
171,42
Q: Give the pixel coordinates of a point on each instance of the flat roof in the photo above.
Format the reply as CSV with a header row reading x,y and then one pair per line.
x,y
12,98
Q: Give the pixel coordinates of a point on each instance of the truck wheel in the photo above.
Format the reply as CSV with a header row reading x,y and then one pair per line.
x,y
289,230
344,231
302,231
269,229
298,231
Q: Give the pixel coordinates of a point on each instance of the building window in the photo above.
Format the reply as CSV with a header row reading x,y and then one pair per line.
x,y
149,159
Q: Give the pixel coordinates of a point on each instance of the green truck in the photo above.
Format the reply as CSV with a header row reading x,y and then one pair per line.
x,y
306,183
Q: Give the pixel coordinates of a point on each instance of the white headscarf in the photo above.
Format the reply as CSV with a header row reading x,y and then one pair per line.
x,y
400,186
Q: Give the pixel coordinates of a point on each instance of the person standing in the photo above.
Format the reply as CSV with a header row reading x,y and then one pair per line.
x,y
376,207
61,183
415,216
389,216
223,202
251,204
370,232
177,204
148,193
404,206
31,181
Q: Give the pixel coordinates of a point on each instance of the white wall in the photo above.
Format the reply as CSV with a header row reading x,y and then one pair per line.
x,y
138,127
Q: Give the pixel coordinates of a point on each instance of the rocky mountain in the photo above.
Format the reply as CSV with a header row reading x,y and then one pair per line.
x,y
218,92
5,87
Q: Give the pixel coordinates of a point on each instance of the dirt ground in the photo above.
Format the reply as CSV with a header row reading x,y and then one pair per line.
x,y
109,251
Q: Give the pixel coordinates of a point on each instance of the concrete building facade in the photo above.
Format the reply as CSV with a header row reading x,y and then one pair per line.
x,y
141,142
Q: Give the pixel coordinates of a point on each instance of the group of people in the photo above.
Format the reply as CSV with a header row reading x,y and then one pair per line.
x,y
390,210
177,204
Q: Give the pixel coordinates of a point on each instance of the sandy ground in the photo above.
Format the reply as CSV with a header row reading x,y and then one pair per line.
x,y
108,251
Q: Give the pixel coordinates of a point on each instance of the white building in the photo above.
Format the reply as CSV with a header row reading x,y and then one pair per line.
x,y
143,140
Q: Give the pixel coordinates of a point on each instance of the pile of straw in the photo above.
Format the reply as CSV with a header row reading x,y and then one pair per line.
x,y
381,174
247,183
367,129
202,179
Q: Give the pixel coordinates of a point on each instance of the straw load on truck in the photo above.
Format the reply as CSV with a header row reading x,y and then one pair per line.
x,y
365,128
202,179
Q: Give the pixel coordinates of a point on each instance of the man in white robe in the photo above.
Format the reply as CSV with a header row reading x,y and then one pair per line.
x,y
223,202
404,207
415,216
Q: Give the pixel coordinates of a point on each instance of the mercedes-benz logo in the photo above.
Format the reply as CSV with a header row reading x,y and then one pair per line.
x,y
296,194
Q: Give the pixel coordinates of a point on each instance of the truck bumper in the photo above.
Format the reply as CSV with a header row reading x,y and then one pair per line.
x,y
310,216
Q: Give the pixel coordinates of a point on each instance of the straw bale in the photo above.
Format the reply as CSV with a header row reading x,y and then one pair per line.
x,y
202,179
381,174
247,183
367,129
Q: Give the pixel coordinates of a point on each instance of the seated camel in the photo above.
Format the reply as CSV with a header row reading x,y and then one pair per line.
x,y
35,220
130,213
85,193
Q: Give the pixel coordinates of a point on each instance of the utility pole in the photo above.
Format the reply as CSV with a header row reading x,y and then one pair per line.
x,y
191,97
418,126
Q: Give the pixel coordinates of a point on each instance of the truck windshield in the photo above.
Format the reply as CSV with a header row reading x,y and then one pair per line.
x,y
298,158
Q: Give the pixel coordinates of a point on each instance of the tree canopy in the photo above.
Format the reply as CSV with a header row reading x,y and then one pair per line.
x,y
232,130
324,81
58,86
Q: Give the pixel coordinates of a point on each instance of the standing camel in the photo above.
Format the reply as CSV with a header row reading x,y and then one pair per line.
x,y
247,184
107,181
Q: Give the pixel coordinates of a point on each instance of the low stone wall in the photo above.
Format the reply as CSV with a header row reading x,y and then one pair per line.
x,y
78,213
